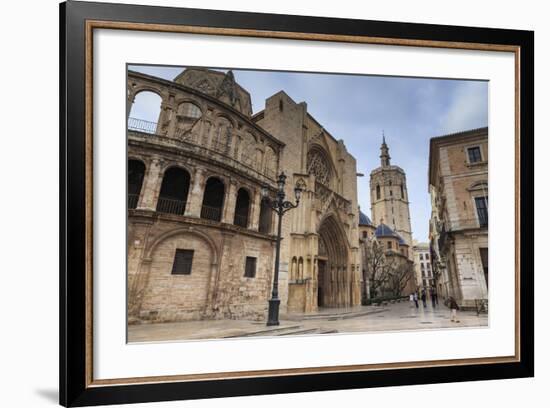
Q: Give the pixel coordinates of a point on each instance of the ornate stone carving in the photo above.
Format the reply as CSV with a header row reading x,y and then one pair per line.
x,y
318,166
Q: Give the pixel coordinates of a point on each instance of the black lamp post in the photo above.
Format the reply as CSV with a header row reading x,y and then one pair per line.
x,y
280,206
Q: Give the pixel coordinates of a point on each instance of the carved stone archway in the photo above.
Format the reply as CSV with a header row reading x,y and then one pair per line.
x,y
333,277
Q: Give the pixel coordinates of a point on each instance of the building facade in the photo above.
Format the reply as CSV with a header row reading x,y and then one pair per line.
x,y
200,238
389,196
458,184
423,265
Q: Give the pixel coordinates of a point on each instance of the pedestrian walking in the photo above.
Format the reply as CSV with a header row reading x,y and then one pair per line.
x,y
454,307
416,299
432,296
411,300
424,297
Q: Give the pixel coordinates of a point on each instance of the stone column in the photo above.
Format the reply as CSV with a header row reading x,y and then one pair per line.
x,y
130,102
255,210
194,201
164,119
151,186
229,203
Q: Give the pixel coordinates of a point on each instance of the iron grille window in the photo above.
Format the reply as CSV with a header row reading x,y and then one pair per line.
x,y
482,211
474,154
183,262
250,267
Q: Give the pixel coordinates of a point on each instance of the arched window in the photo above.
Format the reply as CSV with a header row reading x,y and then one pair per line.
x,y
402,191
270,162
145,112
242,207
378,192
136,172
173,192
318,165
248,151
301,268
189,111
222,137
187,117
265,217
293,269
212,202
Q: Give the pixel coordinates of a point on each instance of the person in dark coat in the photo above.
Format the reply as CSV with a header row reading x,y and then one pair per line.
x,y
432,296
454,308
416,299
424,297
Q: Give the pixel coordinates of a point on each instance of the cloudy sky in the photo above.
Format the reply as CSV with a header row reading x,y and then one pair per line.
x,y
358,108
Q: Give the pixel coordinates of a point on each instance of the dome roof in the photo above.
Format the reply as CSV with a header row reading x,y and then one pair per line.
x,y
384,231
401,240
364,219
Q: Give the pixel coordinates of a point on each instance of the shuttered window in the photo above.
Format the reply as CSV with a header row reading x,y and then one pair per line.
x,y
474,154
183,262
250,267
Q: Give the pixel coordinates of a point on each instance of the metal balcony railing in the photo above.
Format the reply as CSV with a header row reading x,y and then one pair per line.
x,y
241,220
141,125
211,213
171,206
133,200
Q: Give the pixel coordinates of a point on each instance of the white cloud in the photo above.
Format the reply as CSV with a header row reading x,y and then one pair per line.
x,y
468,108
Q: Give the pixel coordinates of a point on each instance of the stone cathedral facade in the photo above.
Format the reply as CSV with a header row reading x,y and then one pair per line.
x,y
201,241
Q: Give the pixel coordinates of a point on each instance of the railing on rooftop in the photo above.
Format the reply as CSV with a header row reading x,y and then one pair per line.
x,y
141,125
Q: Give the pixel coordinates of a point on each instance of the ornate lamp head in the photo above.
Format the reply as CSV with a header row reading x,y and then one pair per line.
x,y
281,181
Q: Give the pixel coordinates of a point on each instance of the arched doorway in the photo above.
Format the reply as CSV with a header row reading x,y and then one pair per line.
x,y
173,191
333,278
136,173
212,201
242,207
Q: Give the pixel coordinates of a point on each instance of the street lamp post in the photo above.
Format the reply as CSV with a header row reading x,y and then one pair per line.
x,y
280,206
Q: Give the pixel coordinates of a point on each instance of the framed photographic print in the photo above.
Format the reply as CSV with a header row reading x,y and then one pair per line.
x,y
257,203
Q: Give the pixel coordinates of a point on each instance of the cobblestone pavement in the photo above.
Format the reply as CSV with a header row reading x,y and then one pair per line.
x,y
391,317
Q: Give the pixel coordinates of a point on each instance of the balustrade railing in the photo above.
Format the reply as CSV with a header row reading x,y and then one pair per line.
x,y
241,220
133,200
141,125
211,213
170,206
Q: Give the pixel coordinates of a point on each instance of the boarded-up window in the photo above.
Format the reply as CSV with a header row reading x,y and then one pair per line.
x,y
250,267
183,262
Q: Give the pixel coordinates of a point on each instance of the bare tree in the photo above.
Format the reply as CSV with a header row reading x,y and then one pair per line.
x,y
399,276
376,271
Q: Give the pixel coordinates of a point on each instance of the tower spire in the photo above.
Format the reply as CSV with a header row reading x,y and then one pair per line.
x,y
384,152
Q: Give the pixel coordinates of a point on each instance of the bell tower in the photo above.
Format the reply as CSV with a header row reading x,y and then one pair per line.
x,y
389,196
